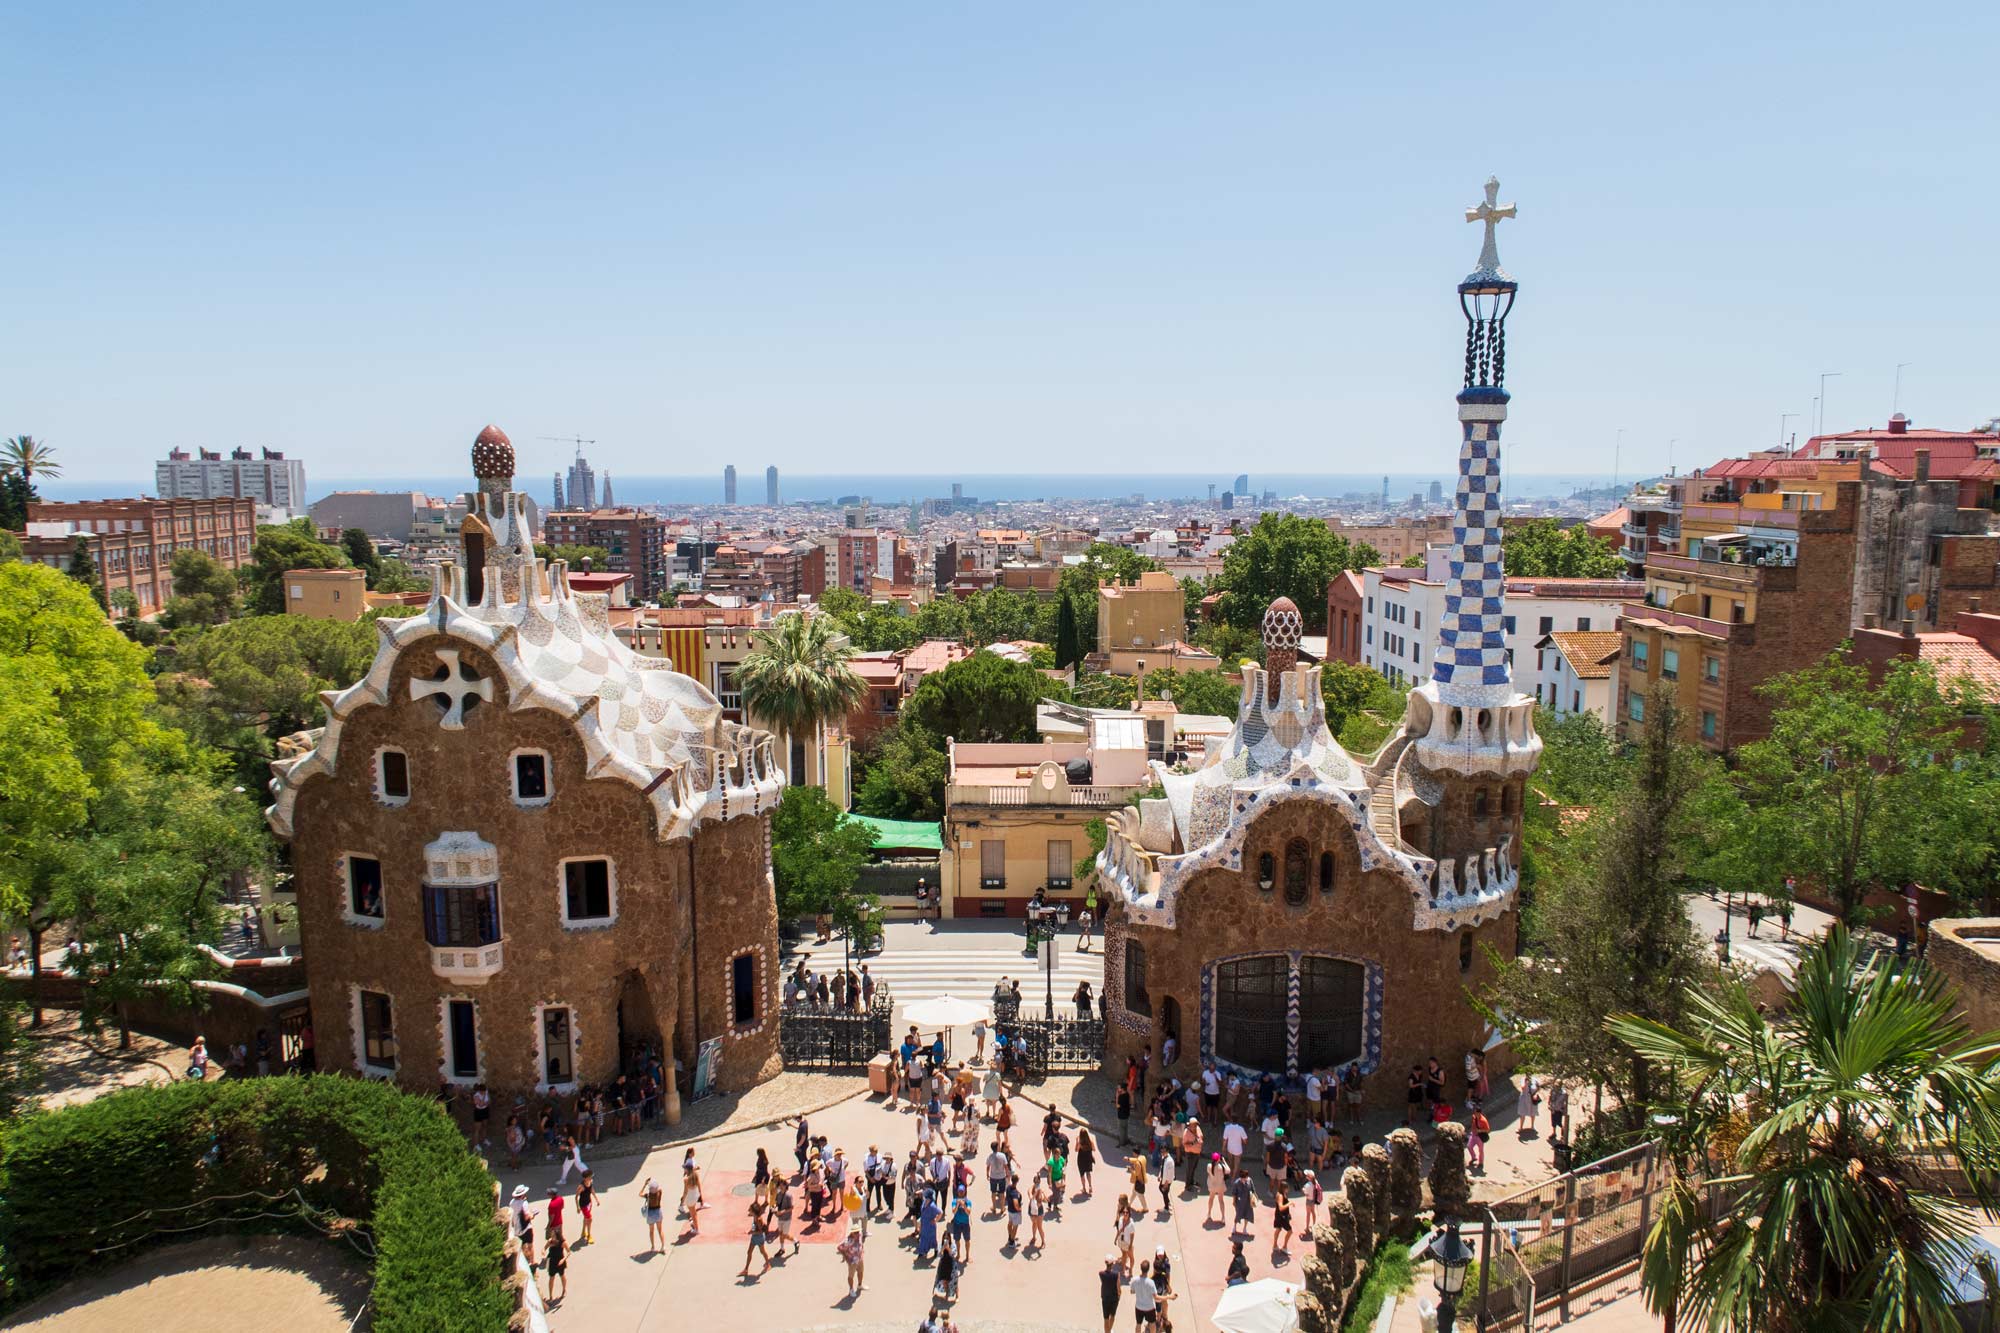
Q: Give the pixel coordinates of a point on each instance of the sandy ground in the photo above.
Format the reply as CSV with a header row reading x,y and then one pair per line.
x,y
217,1285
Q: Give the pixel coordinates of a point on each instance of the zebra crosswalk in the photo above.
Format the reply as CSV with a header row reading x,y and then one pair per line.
x,y
970,974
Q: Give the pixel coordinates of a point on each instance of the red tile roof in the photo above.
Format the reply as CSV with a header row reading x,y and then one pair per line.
x,y
1960,656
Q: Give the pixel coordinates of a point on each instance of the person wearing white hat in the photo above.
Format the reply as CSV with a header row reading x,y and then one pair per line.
x,y
1163,1270
1110,1286
524,1221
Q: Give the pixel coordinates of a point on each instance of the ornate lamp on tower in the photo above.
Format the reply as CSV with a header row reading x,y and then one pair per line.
x,y
1469,717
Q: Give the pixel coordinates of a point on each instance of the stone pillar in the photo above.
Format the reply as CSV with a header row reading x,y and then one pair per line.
x,y
1451,1188
1360,1191
670,1103
1375,1161
1406,1181
1339,1234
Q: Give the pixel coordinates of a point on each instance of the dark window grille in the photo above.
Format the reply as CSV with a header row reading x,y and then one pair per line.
x,y
462,915
1251,1011
1331,992
1136,999
1298,871
378,1031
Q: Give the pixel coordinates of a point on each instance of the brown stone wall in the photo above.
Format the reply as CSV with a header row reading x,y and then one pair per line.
x,y
1968,952
461,780
1456,829
1368,917
1969,573
1798,624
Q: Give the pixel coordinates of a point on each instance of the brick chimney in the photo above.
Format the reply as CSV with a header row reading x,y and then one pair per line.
x,y
1923,466
1899,424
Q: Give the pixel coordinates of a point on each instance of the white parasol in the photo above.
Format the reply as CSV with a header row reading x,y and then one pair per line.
x,y
1263,1306
946,1011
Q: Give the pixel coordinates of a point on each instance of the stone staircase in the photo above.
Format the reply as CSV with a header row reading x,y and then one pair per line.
x,y
1382,816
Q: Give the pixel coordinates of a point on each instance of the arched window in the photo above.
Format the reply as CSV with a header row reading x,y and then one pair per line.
x,y
1266,870
1326,872
1298,870
1479,804
1465,952
1507,800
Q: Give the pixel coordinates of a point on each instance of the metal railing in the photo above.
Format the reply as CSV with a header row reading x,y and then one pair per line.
x,y
818,1037
975,794
1564,1234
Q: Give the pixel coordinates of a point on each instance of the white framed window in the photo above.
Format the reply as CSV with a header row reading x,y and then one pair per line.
x,y
392,776
528,772
555,1047
362,899
374,1033
297,592
458,1031
589,890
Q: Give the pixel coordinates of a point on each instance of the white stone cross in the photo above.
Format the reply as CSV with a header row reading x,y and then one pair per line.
x,y
1492,213
453,687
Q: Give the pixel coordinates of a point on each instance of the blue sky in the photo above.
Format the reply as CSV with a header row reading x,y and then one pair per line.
x,y
1028,238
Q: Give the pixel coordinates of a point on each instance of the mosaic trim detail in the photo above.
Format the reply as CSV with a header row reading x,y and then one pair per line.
x,y
1373,986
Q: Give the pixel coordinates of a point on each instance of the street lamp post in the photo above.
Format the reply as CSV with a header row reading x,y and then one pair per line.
x,y
1453,1258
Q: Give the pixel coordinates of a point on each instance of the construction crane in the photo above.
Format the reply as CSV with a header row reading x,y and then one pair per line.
x,y
576,440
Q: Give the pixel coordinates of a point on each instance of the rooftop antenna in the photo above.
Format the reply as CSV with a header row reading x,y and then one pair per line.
x,y
1617,449
1670,454
1783,417
1820,428
1896,403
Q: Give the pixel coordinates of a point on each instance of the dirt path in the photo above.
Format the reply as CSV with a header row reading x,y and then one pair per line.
x,y
220,1285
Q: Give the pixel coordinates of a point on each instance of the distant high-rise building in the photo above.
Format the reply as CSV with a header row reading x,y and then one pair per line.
x,y
1437,492
1229,499
771,486
1385,492
607,491
957,492
1242,486
1211,492
272,479
582,484
558,493
729,484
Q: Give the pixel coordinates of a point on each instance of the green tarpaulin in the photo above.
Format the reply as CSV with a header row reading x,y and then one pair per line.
x,y
904,834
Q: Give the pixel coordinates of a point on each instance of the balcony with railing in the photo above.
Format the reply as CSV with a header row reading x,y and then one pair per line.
x,y
1033,794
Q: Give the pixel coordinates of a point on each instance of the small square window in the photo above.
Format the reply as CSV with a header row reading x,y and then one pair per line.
x,y
1582,623
392,776
531,777
1635,708
586,892
1547,623
364,888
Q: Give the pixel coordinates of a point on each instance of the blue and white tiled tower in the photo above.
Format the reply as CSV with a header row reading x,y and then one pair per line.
x,y
1469,717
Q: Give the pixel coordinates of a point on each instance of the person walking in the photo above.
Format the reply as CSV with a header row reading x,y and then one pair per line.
x,y
1038,1207
1351,1087
1414,1097
1239,1267
1086,1159
557,1263
586,1205
856,1205
1083,922
1124,1111
927,1225
1559,1110
1244,1199
1125,1231
1135,1167
1218,1186
1145,1297
691,1201
1311,1194
1110,1287
517,1139
1281,1227
783,1206
572,1157
1082,1001
1191,1154
959,1235
759,1215
1477,1129
1528,1102
850,1252
652,1206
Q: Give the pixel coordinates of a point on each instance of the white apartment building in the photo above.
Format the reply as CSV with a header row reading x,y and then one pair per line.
x,y
270,479
1401,607
1579,671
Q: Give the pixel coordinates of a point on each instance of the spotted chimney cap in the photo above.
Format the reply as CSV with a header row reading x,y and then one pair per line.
x,y
1282,627
492,455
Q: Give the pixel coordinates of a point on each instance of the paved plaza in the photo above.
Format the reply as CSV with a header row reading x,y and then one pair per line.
x,y
619,1283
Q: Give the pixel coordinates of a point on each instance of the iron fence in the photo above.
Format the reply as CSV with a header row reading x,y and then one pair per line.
x,y
1045,1045
819,1038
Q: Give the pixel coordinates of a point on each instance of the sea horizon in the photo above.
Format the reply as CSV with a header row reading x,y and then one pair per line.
x,y
902,488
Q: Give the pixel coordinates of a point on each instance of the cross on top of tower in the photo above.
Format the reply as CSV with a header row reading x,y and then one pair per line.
x,y
1492,213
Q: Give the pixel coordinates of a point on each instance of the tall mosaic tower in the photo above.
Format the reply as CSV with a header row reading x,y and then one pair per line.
x,y
1470,718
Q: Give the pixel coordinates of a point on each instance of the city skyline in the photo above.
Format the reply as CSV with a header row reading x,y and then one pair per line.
x,y
1100,235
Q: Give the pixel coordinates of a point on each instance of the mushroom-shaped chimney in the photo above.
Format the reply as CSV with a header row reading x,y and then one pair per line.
x,y
493,459
1283,625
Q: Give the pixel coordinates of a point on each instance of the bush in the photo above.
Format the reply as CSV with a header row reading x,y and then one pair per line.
x,y
102,1179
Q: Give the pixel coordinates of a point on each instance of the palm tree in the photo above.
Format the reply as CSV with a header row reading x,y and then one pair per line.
x,y
27,455
796,677
1825,1131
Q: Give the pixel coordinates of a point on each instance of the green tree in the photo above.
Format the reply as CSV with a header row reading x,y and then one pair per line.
x,y
1823,1123
1286,555
942,618
16,494
599,557
1362,707
10,542
26,457
1615,933
1581,764
903,774
280,547
1542,549
1417,561
816,857
1068,649
244,684
1077,587
883,629
1208,692
394,576
796,679
1231,644
999,615
151,890
983,697
360,553
72,694
20,1070
204,590
83,568
843,603
1847,790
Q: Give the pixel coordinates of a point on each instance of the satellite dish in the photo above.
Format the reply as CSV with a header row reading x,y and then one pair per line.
x,y
1914,602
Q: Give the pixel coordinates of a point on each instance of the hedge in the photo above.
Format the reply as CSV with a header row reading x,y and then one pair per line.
x,y
117,1170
